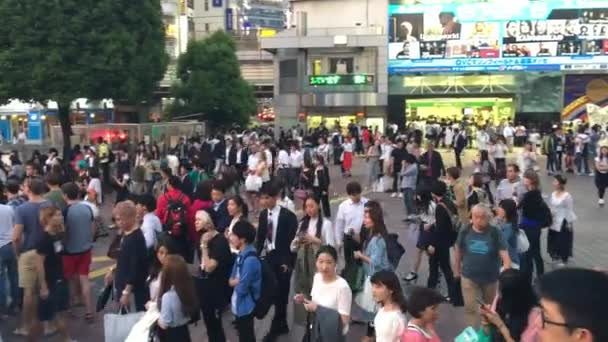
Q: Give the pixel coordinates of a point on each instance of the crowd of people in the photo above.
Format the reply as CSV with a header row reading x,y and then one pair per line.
x,y
226,207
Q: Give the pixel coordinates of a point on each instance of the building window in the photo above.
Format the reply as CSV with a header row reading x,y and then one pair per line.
x,y
317,67
206,5
341,65
207,27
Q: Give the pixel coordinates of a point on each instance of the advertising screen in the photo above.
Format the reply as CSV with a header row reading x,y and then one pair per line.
x,y
519,35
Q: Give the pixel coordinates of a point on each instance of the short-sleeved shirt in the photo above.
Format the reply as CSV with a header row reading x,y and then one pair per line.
x,y
335,295
28,215
78,233
480,254
56,199
219,250
51,247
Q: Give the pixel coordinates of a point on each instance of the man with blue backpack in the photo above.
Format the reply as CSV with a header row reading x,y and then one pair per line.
x,y
246,279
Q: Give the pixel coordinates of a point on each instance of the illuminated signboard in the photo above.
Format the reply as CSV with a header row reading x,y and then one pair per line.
x,y
498,36
330,80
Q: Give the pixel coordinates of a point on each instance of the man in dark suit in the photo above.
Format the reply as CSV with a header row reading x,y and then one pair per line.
x,y
219,210
276,230
460,142
431,165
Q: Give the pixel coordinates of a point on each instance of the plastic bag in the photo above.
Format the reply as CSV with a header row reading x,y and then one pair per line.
x,y
116,327
141,329
365,298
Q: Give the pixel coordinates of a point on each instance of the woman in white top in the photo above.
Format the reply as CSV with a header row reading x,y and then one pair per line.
x,y
329,290
315,231
560,234
95,184
347,157
601,173
528,158
323,150
499,153
390,322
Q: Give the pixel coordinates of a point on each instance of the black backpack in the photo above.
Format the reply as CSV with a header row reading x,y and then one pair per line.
x,y
268,290
176,224
394,249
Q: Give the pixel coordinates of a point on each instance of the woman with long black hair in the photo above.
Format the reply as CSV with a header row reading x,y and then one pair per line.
x,y
560,237
320,184
601,174
506,213
314,231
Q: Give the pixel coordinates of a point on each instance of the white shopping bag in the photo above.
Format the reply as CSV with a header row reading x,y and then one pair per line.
x,y
116,327
141,329
365,298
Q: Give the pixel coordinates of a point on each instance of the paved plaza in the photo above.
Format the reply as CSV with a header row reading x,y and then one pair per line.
x,y
590,239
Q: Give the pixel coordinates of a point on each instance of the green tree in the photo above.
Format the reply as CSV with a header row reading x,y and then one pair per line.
x,y
66,49
210,83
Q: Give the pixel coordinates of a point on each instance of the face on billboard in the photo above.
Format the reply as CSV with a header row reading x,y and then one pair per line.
x,y
431,35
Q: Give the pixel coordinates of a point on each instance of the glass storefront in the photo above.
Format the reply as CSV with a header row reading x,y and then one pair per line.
x,y
481,110
314,121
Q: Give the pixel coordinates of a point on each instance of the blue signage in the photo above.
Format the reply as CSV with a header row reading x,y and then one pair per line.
x,y
229,19
34,126
498,36
217,3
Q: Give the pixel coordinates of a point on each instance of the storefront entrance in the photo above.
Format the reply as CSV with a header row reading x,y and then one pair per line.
x,y
480,110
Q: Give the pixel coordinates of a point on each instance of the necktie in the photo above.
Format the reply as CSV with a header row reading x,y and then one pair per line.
x,y
429,172
270,228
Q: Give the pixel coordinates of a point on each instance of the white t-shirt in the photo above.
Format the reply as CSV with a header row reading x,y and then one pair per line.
x,y
283,159
335,295
296,159
95,184
389,325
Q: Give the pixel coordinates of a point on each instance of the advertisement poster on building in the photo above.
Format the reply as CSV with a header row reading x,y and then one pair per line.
x,y
585,96
514,36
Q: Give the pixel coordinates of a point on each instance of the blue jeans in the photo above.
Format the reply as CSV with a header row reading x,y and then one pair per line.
x,y
408,200
8,265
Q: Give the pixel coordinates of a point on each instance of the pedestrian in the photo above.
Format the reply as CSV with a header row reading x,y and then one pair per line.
x,y
460,143
426,209
201,200
348,224
478,268
528,158
78,246
601,174
409,175
347,157
215,267
458,188
219,210
508,222
478,193
488,173
441,238
54,195
94,183
163,248
246,279
374,254
320,184
423,305
373,161
512,187
431,166
177,301
398,155
581,150
535,215
54,293
561,233
390,321
172,208
276,230
575,312
129,274
26,234
499,153
330,296
151,226
8,262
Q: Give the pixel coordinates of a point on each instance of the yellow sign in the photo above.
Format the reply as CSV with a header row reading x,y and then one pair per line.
x,y
267,33
171,30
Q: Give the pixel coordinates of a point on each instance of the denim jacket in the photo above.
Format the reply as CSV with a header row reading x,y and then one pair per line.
x,y
377,252
248,270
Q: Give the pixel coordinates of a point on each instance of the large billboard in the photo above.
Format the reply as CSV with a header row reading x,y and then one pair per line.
x,y
498,35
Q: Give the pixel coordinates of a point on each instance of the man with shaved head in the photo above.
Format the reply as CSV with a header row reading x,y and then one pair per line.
x,y
130,273
480,251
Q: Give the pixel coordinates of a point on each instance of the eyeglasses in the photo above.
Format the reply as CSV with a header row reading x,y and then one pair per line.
x,y
545,321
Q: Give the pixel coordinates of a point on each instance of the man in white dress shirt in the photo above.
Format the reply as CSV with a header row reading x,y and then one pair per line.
x,y
349,219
